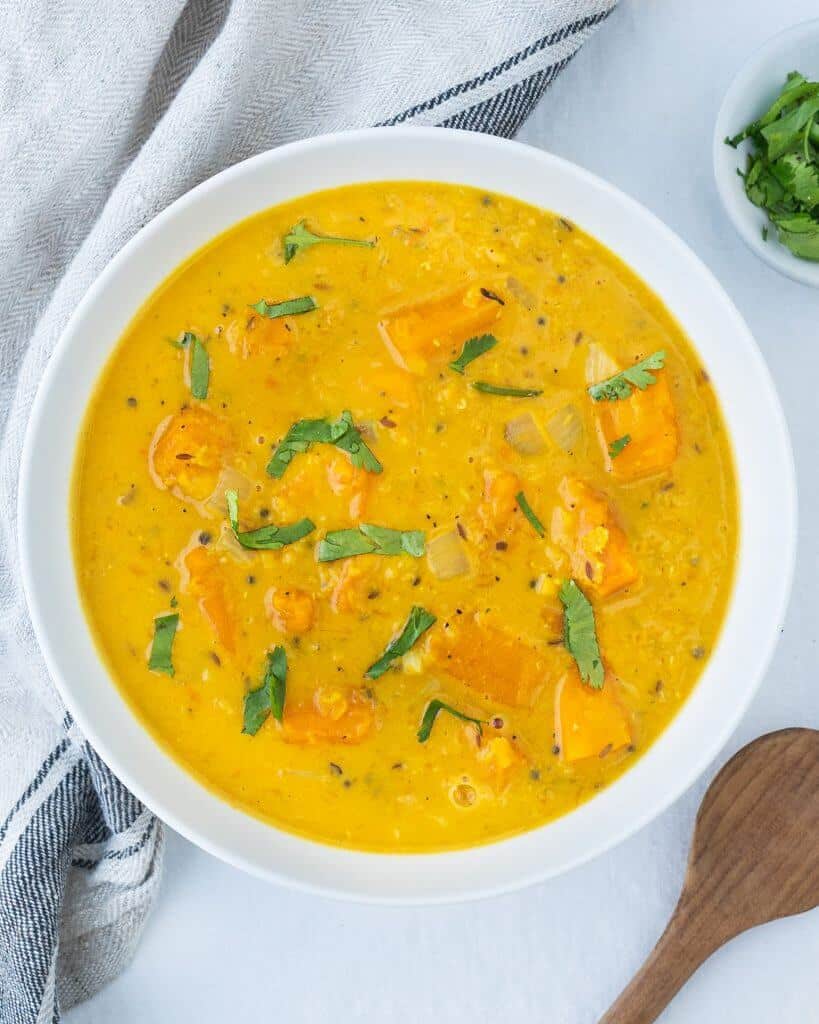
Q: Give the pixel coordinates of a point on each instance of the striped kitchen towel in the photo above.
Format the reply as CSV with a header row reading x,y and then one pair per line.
x,y
109,112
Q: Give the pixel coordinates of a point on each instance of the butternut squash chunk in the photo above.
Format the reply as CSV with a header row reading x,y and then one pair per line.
x,y
260,336
351,481
391,386
493,663
335,716
291,610
499,760
648,419
206,582
589,722
587,530
413,335
188,451
500,490
351,582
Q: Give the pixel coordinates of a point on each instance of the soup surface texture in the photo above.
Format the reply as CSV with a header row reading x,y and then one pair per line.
x,y
412,537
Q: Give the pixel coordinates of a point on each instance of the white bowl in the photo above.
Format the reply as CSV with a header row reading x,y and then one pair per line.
x,y
764,465
751,93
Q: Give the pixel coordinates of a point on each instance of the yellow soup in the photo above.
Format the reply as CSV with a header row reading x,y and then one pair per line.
x,y
411,537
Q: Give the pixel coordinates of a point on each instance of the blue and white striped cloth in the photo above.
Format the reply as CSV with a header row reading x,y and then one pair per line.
x,y
109,112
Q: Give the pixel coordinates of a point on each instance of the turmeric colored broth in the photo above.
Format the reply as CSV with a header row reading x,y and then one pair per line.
x,y
648,533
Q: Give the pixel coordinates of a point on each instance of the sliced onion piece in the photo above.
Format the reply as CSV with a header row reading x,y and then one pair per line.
x,y
229,480
227,542
446,556
524,435
521,292
565,427
599,364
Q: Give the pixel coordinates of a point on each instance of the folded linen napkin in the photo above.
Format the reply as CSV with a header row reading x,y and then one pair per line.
x,y
109,112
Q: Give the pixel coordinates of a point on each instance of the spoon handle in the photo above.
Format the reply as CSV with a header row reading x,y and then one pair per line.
x,y
689,939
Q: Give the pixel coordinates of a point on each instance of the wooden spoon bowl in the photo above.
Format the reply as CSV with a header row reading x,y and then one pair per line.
x,y
754,858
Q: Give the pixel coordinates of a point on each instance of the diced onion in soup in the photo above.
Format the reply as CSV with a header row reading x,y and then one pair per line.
x,y
565,427
413,663
524,435
599,364
521,292
227,542
446,556
229,480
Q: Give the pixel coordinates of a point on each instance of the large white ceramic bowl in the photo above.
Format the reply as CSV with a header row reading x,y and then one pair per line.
x,y
754,89
763,458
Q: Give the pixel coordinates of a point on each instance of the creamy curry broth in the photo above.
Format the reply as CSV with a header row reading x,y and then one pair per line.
x,y
649,534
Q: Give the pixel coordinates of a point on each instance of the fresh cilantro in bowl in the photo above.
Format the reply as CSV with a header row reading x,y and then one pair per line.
x,y
782,174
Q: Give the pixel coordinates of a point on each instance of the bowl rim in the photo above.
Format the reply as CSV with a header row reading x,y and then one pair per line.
x,y
413,878
745,217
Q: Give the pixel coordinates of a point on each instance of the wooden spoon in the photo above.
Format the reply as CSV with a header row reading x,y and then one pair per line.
x,y
754,858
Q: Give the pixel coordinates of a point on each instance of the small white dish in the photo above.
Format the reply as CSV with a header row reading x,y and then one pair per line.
x,y
764,466
753,90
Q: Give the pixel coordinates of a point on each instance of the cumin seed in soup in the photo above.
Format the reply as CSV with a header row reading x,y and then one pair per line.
x,y
405,516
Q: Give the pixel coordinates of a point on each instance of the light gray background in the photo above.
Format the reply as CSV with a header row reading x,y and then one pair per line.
x,y
636,106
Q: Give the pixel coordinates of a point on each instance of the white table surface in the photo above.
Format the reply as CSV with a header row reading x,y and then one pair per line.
x,y
636,106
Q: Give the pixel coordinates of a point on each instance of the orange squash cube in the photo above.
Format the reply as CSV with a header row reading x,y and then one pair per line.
x,y
589,722
500,490
648,419
206,582
351,580
415,334
187,453
499,760
490,662
392,386
587,530
335,716
260,336
291,610
352,481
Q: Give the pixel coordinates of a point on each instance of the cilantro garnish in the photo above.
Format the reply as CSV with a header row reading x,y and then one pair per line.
x,y
370,540
431,713
618,445
528,511
269,697
782,173
268,537
301,237
623,383
341,432
290,307
200,369
580,635
501,389
472,349
417,624
162,646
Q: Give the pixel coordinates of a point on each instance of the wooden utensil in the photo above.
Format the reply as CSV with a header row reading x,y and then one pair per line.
x,y
754,857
